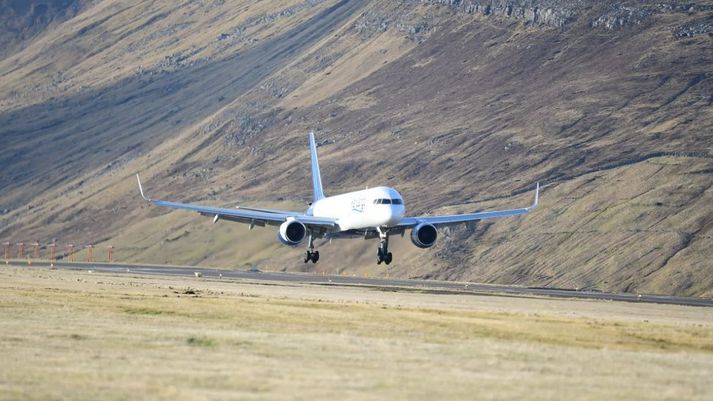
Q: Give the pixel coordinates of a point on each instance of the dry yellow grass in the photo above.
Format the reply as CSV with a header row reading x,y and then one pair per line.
x,y
363,60
76,335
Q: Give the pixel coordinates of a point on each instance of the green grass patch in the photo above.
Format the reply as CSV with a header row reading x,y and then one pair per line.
x,y
200,341
146,311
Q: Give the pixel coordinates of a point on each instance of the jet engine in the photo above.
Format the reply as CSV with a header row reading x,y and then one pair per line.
x,y
292,232
424,235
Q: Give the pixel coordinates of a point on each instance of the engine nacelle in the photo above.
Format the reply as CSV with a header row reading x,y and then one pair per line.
x,y
424,235
292,233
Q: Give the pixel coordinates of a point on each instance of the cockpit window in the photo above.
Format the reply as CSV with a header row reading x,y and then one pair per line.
x,y
388,202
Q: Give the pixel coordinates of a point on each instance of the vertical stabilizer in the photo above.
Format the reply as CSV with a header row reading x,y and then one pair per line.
x,y
316,176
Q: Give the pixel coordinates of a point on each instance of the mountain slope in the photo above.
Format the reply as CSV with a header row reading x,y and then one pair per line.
x,y
609,104
23,20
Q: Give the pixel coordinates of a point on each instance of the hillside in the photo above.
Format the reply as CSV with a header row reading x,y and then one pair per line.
x,y
465,104
23,20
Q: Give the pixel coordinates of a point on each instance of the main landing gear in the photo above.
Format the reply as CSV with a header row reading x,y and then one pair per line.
x,y
383,254
311,254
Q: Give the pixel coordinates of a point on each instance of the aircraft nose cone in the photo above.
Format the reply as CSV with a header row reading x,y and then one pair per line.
x,y
395,214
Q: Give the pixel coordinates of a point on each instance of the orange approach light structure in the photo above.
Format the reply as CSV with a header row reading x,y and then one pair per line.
x,y
90,253
35,253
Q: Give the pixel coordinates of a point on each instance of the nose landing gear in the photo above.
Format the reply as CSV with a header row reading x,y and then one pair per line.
x,y
383,254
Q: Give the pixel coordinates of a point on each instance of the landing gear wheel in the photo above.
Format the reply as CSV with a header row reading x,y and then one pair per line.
x,y
380,256
313,256
388,258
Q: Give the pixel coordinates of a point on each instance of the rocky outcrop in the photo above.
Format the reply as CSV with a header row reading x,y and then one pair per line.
x,y
413,26
694,28
536,12
636,13
558,13
618,16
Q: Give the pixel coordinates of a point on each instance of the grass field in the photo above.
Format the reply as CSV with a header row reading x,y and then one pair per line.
x,y
81,335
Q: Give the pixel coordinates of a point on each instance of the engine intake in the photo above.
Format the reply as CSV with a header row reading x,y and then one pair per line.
x,y
292,233
424,235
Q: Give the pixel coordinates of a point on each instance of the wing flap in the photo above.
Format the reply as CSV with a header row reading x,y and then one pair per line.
x,y
260,209
248,216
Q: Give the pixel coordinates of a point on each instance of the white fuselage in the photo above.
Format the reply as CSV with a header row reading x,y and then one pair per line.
x,y
373,207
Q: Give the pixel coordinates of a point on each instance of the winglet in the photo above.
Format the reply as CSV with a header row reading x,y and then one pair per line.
x,y
141,189
536,202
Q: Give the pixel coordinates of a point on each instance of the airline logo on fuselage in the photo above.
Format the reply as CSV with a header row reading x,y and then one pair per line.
x,y
358,205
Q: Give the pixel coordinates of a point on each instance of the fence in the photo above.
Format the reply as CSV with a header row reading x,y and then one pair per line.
x,y
73,252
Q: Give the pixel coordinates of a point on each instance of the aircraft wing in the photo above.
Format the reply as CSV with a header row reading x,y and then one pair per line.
x,y
450,220
259,217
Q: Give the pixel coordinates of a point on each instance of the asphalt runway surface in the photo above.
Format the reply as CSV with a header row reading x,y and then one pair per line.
x,y
406,285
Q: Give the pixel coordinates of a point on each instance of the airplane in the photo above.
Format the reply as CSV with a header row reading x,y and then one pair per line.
x,y
371,213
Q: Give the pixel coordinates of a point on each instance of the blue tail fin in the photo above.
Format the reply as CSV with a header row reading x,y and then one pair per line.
x,y
316,177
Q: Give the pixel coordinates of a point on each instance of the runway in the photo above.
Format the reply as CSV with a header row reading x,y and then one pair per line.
x,y
432,286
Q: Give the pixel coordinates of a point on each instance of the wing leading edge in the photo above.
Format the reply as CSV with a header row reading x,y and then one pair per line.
x,y
450,220
259,217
